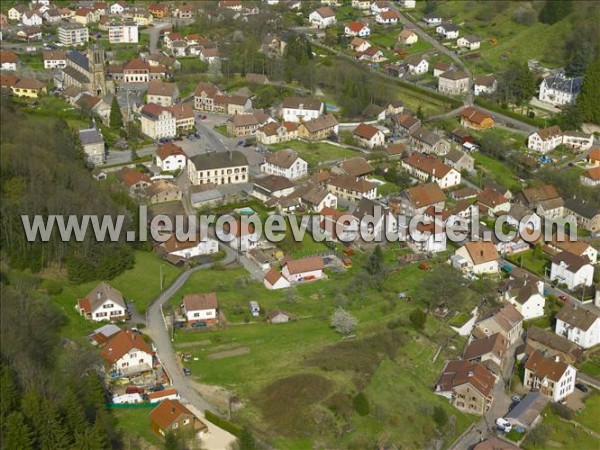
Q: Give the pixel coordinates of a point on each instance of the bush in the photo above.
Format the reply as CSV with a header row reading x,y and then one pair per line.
x,y
222,423
418,318
52,287
360,403
440,416
562,411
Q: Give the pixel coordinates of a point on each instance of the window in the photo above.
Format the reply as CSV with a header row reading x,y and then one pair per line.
x,y
175,425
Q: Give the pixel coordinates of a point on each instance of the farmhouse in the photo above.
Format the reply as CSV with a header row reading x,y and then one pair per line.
x,y
103,303
306,269
479,257
127,353
552,377
201,307
468,385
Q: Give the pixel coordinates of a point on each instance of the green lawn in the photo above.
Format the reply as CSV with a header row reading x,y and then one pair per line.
x,y
527,260
317,152
136,422
590,417
138,285
494,168
54,107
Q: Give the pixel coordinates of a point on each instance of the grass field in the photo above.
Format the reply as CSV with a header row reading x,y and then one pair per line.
x,y
493,168
318,152
590,417
137,422
530,262
138,285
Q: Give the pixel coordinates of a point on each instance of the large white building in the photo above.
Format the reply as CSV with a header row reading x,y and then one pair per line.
x,y
285,163
127,352
123,33
545,139
579,325
549,375
527,296
560,90
158,122
301,109
218,168
571,270
73,34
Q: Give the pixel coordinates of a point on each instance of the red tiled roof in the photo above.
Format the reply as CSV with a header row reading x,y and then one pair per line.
x,y
121,343
197,302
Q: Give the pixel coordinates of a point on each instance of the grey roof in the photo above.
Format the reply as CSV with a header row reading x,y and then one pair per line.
x,y
449,27
107,330
559,82
518,211
76,75
528,409
587,210
79,59
90,136
219,160
367,207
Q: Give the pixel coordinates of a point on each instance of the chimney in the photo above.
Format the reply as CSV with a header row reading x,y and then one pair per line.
x,y
470,373
99,295
557,358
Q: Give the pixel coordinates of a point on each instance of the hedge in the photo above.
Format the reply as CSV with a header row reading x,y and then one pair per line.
x,y
222,423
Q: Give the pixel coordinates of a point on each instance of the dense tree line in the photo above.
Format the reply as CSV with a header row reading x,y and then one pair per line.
x,y
43,172
52,396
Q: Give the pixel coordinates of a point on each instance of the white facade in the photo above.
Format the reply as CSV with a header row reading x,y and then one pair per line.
x,y
559,90
556,390
427,241
448,34
123,33
116,8
295,277
535,142
193,315
463,42
582,277
319,21
532,221
53,63
363,32
479,89
531,308
386,19
245,242
488,267
578,141
108,310
301,114
133,361
163,126
73,34
421,68
8,66
298,169
172,162
31,19
409,4
207,246
584,338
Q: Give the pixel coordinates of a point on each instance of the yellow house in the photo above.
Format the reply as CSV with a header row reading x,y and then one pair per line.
x,y
28,87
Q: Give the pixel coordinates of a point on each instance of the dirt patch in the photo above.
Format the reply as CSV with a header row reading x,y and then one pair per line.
x,y
215,395
194,344
228,353
293,400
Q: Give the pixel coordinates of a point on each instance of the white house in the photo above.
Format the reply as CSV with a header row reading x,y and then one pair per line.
x,y
591,177
432,19
572,270
275,280
470,42
408,37
527,296
117,8
430,168
184,249
369,136
361,4
8,60
427,237
479,257
170,157
373,219
127,353
54,60
200,307
285,163
31,18
357,29
577,140
103,303
417,65
409,4
579,325
545,139
549,375
560,90
387,18
16,12
447,30
322,17
165,394
301,109
244,236
157,121
306,269
485,84
219,168
523,218
379,6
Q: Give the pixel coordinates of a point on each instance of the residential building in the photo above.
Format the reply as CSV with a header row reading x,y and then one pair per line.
x,y
308,196
369,136
318,129
271,186
28,87
181,251
545,139
32,18
161,93
306,269
128,354
527,296
357,167
242,235
578,324
552,344
54,59
417,65
426,237
158,10
123,33
285,163
93,146
242,125
135,182
492,202
301,109
322,17
453,82
202,307
591,177
184,116
103,303
587,216
361,4
85,16
351,189
427,141
544,200
408,37
468,386
577,140
184,12
157,122
571,270
170,416
16,12
470,42
276,133
593,158
238,104
219,168
505,320
415,200
406,124
73,34
379,6
522,218
359,45
442,67
166,394
355,28
161,191
431,169
170,157
475,118
579,248
447,30
118,7
8,60
479,257
560,90
374,219
485,84
387,18
488,350
550,376
460,161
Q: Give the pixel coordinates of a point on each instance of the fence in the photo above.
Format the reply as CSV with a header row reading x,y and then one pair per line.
x,y
144,405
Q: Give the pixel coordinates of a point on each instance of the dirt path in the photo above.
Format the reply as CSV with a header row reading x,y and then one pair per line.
x,y
228,353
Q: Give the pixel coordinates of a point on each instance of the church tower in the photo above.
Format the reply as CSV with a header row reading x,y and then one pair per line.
x,y
97,69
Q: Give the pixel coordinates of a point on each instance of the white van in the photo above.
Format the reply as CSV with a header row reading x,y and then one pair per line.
x,y
255,309
503,424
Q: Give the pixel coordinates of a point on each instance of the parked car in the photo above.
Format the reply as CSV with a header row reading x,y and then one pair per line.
x,y
582,387
187,372
503,424
516,398
157,388
563,298
199,325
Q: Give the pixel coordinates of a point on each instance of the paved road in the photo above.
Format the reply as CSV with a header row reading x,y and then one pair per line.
x,y
162,340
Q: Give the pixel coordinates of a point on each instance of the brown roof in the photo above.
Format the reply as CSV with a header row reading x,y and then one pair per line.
x,y
283,158
544,367
366,131
553,342
196,302
576,247
454,75
325,12
273,276
357,42
352,183
168,412
593,173
173,244
97,296
407,121
30,83
491,198
356,167
577,317
443,65
475,115
159,186
594,154
405,34
136,64
153,110
495,344
54,55
506,316
244,120
485,80
121,343
395,149
159,87
273,183
182,110
460,372
481,252
428,164
389,15
168,149
239,100
425,195
465,193
129,177
160,394
495,443
304,102
239,227
305,264
547,133
572,261
320,123
8,80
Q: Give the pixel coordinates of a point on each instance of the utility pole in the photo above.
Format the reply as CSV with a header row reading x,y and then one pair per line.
x,y
161,277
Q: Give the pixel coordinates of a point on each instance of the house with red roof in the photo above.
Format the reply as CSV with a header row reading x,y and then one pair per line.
x,y
170,157
128,354
355,28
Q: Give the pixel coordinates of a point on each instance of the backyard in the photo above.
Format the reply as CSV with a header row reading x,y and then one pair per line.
x,y
532,262
318,152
